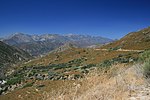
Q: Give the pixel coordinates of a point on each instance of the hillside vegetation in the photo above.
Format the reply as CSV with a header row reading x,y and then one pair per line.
x,y
133,41
10,55
116,71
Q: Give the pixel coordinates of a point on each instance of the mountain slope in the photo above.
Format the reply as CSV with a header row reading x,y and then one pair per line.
x,y
11,55
40,44
39,47
86,40
133,41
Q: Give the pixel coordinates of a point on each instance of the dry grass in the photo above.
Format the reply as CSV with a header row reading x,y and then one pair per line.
x,y
93,56
119,83
133,41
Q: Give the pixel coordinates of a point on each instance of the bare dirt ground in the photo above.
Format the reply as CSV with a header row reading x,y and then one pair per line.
x,y
122,50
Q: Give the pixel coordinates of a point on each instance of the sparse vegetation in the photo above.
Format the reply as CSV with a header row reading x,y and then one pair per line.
x,y
28,84
83,69
147,68
145,58
14,80
115,48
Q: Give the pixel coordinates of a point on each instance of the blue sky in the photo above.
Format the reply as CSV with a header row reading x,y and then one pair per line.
x,y
107,18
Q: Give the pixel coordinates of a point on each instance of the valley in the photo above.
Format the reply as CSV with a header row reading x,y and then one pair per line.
x,y
74,50
73,72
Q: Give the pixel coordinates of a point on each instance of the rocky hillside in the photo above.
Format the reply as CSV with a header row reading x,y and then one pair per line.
x,y
40,44
133,41
11,55
67,46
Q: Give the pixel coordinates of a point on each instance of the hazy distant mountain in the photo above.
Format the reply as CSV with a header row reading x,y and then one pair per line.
x,y
1,39
18,38
86,40
39,44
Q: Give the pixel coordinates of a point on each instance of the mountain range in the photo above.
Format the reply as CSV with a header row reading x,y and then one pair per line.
x,y
40,44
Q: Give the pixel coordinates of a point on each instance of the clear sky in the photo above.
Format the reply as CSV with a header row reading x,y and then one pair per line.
x,y
108,18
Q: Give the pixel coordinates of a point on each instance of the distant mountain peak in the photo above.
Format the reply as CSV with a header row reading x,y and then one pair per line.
x,y
70,34
41,44
17,34
18,38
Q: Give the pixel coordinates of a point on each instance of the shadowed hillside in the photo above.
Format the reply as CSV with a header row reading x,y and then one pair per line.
x,y
10,55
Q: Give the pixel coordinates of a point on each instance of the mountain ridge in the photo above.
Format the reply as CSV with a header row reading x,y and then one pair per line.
x,y
41,44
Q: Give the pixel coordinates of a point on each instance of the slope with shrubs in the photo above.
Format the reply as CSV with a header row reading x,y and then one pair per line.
x,y
119,82
10,55
92,56
106,73
72,64
133,41
39,86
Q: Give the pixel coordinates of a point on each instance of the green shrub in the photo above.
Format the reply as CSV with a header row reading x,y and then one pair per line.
x,y
77,76
147,68
40,86
28,85
88,66
14,81
115,48
145,58
106,63
76,68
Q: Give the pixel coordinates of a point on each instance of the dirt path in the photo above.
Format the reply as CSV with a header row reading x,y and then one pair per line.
x,y
122,50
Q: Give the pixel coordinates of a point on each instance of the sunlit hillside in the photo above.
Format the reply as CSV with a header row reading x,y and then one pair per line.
x,y
111,72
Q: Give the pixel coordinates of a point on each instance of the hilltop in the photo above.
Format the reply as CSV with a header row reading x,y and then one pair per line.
x,y
139,40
